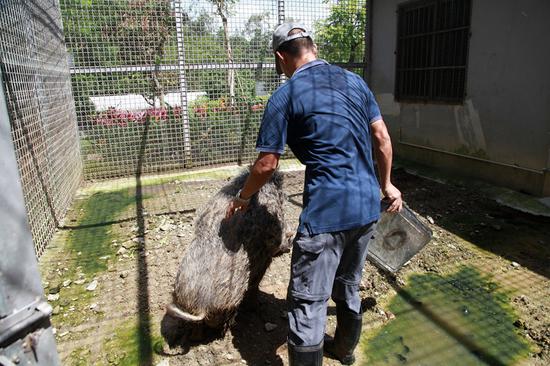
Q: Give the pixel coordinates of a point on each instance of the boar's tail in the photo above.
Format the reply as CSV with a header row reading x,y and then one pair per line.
x,y
173,310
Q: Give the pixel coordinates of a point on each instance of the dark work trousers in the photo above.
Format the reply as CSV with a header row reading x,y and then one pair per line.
x,y
324,265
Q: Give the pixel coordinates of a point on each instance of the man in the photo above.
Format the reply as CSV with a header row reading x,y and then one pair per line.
x,y
330,120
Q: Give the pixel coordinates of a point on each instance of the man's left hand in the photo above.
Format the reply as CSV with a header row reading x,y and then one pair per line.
x,y
393,195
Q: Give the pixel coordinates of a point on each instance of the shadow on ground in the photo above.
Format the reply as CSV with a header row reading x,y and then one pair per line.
x,y
469,214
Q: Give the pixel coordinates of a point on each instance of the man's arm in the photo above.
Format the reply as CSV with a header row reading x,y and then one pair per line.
x,y
383,154
261,171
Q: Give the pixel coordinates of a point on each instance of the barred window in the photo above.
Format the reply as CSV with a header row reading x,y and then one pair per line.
x,y
432,50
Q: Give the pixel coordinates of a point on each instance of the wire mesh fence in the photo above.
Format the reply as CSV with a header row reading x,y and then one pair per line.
x,y
158,85
187,80
37,85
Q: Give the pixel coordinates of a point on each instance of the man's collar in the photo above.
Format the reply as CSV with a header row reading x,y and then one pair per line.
x,y
309,65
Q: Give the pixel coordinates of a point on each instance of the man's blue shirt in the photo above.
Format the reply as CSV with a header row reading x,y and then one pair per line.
x,y
324,114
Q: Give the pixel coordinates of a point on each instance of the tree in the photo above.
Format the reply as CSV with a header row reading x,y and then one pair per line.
x,y
141,32
222,9
341,35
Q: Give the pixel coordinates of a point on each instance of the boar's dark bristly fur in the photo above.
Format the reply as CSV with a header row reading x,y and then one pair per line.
x,y
227,258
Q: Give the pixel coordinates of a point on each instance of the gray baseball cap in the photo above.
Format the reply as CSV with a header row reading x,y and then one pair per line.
x,y
281,36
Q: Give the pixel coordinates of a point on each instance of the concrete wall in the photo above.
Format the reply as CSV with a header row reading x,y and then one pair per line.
x,y
501,132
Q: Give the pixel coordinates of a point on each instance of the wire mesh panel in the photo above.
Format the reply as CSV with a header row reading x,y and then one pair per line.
x,y
33,62
186,80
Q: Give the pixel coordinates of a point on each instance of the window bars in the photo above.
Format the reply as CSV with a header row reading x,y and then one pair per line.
x,y
432,50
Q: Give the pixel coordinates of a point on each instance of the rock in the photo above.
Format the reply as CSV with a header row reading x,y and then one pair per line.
x,y
130,244
124,274
121,251
270,326
54,290
92,286
164,362
105,257
63,334
430,220
518,324
80,281
93,306
56,310
53,297
66,283
165,227
229,356
515,264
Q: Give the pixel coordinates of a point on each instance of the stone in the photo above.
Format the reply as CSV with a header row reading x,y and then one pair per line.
x,y
66,283
270,326
165,227
53,297
130,244
92,286
430,220
515,264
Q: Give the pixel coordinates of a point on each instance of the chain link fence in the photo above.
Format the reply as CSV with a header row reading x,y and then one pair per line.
x,y
37,84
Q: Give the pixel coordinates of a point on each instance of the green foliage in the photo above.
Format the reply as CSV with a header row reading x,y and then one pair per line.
x,y
214,123
340,37
118,136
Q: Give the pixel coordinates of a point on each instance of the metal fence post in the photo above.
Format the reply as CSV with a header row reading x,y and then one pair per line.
x,y
26,336
183,84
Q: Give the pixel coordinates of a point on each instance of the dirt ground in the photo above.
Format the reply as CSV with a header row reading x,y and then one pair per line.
x,y
110,274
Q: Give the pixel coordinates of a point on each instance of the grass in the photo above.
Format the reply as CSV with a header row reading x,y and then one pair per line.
x,y
92,236
128,346
462,318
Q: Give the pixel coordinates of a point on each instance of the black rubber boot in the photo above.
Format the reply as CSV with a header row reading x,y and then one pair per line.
x,y
346,337
305,355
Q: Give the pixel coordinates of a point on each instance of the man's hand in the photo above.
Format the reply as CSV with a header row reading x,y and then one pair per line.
x,y
393,196
234,206
261,171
